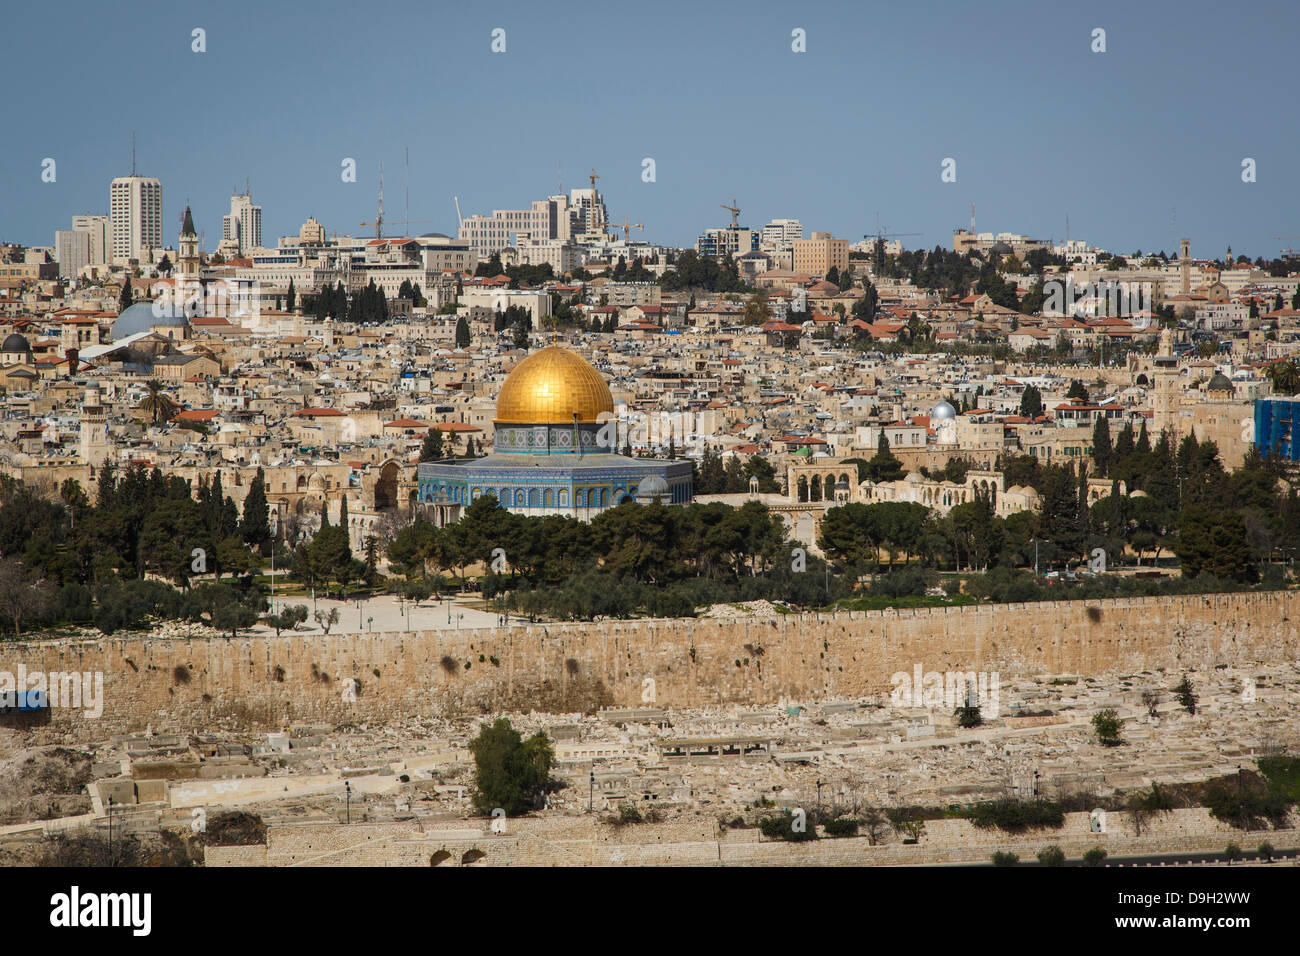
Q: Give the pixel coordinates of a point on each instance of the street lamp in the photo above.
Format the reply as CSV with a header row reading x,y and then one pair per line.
x,y
591,793
347,786
110,831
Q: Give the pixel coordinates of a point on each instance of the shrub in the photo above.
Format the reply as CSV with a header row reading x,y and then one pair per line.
x,y
1016,816
969,717
1106,724
908,822
1005,859
788,827
1052,856
1266,851
842,827
1246,802
627,814
1094,857
1232,853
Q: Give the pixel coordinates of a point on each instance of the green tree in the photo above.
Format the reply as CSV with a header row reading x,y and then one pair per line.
x,y
1102,451
156,402
255,528
431,449
126,298
884,466
1213,541
865,307
1031,402
462,333
1106,724
510,773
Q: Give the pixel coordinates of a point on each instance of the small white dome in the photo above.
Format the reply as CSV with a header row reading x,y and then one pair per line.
x,y
942,412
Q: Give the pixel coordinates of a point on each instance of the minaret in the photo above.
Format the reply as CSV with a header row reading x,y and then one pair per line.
x,y
1185,265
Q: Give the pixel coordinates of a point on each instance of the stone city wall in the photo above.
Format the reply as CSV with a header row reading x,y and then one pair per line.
x,y
264,683
584,841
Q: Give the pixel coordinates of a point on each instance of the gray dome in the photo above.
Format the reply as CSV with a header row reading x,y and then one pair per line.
x,y
141,318
652,487
15,343
942,412
1220,382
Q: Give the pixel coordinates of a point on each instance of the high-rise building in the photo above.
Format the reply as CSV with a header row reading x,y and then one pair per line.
x,y
135,204
311,233
72,250
818,255
244,224
549,218
729,241
779,235
99,229
589,216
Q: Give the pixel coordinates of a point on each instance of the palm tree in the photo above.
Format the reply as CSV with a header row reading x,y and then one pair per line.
x,y
157,402
1285,377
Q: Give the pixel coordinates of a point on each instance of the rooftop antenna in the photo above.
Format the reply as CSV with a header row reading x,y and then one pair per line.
x,y
972,218
379,219
1067,228
408,186
248,188
132,152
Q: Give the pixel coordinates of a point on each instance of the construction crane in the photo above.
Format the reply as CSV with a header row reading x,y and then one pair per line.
x,y
379,219
735,213
593,177
1288,252
883,233
627,227
399,222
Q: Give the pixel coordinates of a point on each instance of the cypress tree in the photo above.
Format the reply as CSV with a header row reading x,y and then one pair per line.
x,y
1102,452
255,528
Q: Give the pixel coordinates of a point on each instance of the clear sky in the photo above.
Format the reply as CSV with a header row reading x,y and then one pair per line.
x,y
1138,145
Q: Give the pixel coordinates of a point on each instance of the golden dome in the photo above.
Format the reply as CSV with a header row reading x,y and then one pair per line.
x,y
551,387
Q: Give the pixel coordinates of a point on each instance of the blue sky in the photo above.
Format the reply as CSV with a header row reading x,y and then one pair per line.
x,y
1123,142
